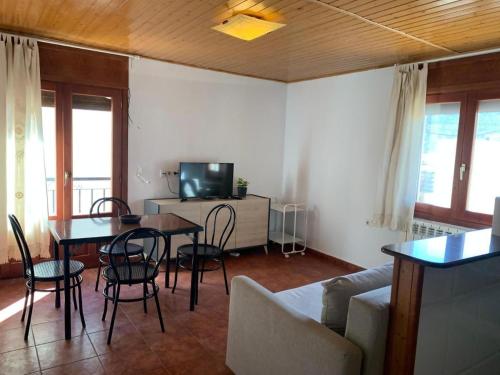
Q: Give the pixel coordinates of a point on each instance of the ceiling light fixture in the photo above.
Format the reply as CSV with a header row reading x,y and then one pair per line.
x,y
247,27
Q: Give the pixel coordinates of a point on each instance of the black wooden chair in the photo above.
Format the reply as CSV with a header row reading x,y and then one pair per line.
x,y
44,272
122,270
212,249
121,207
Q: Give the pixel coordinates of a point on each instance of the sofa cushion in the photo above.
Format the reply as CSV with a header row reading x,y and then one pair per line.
x,y
338,291
367,323
306,299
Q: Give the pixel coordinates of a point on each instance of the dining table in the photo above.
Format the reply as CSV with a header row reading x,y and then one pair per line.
x,y
88,230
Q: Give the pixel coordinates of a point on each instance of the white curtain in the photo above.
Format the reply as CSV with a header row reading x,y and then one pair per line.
x,y
23,189
398,184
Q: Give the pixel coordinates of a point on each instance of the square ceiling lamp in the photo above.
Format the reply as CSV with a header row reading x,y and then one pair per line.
x,y
246,27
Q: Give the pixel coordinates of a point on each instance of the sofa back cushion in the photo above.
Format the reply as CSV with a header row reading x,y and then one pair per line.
x,y
338,291
367,323
306,299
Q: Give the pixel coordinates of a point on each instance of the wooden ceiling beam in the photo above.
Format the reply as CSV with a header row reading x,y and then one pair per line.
x,y
379,25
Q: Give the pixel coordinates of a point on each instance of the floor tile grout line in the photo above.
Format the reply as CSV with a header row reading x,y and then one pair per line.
x,y
73,337
67,364
56,340
145,341
100,362
37,356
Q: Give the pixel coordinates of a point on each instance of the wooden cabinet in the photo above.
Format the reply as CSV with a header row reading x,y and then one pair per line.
x,y
252,222
252,218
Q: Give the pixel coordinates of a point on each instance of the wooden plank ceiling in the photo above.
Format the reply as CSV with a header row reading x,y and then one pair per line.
x,y
322,37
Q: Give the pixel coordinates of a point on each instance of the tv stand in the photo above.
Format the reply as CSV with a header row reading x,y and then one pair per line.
x,y
252,218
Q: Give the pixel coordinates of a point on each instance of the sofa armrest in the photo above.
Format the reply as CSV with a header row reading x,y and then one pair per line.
x,y
266,336
367,323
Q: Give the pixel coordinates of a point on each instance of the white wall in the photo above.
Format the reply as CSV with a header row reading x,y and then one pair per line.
x,y
329,154
180,113
334,142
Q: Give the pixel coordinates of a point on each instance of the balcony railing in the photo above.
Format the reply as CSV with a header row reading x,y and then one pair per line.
x,y
85,191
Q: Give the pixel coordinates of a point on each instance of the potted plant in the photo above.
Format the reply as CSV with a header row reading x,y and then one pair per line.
x,y
242,185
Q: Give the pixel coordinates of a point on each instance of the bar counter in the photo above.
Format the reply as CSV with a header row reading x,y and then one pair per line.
x,y
445,305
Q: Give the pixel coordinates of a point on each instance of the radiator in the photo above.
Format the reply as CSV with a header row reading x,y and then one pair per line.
x,y
427,229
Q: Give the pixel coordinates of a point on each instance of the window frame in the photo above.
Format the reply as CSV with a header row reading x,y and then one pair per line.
x,y
457,214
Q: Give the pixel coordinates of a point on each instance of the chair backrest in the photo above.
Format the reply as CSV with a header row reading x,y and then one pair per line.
x,y
213,236
22,245
123,241
116,203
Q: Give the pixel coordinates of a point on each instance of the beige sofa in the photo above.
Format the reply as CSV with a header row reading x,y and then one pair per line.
x,y
281,333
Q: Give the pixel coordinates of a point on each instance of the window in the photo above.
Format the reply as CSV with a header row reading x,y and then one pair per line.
x,y
438,150
459,171
49,135
484,176
92,129
82,139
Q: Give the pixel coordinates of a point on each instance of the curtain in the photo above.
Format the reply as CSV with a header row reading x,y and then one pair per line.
x,y
23,190
398,184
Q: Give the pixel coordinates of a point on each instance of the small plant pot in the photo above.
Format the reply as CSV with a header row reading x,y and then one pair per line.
x,y
242,191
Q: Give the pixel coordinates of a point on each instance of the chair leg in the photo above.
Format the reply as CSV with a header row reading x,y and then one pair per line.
x,y
81,303
158,306
145,290
30,311
143,258
57,301
115,307
98,274
176,271
202,268
166,273
224,270
25,303
106,291
74,294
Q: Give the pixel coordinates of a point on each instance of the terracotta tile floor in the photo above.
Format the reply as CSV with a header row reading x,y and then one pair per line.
x,y
194,342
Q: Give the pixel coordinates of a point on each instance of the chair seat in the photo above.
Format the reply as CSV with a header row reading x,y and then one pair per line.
x,y
119,249
209,251
53,270
135,275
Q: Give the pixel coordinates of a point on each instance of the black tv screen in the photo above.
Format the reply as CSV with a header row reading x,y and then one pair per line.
x,y
206,180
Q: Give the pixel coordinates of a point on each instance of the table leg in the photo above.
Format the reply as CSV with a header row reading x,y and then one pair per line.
x,y
58,285
194,274
67,295
167,269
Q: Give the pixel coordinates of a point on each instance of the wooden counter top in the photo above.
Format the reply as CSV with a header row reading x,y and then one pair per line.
x,y
448,251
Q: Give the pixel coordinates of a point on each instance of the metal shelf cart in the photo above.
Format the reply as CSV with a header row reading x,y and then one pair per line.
x,y
284,235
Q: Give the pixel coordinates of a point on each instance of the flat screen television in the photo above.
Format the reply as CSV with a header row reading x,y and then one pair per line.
x,y
206,180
